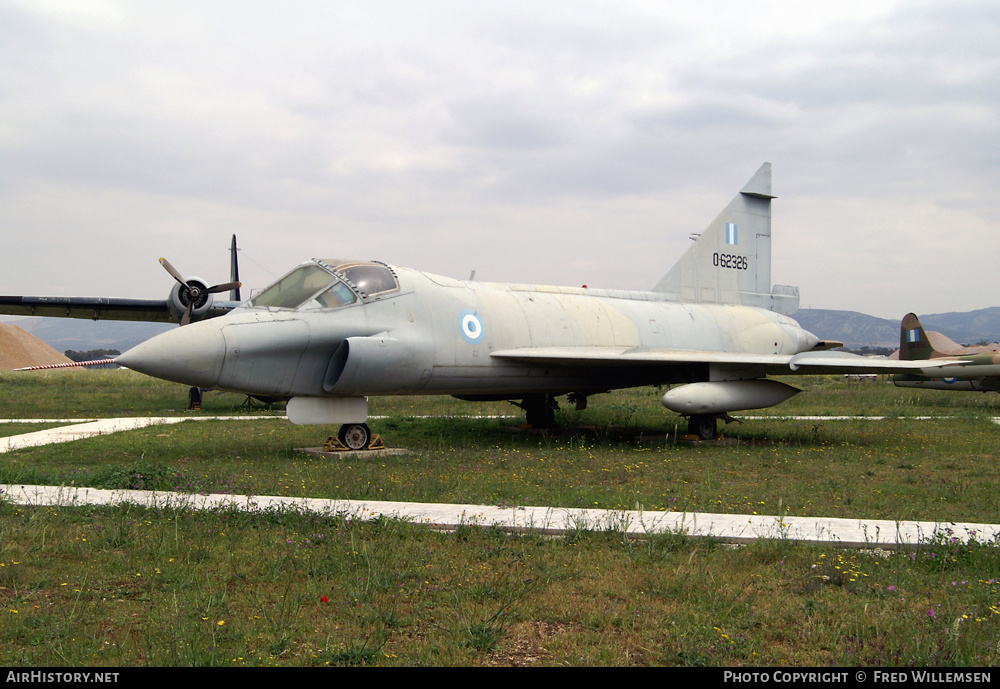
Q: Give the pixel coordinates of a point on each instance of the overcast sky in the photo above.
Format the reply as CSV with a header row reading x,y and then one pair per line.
x,y
547,142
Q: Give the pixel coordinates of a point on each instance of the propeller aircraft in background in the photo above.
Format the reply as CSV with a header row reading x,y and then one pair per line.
x,y
979,372
190,299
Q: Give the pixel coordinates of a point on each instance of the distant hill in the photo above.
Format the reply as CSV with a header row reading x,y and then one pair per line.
x,y
850,327
858,330
971,327
82,335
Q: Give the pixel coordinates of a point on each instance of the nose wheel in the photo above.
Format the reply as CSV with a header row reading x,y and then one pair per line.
x,y
353,436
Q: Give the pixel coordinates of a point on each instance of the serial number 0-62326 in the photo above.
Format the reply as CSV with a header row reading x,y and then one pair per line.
x,y
729,261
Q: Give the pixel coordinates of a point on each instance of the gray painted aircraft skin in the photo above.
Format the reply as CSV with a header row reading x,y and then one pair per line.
x,y
332,332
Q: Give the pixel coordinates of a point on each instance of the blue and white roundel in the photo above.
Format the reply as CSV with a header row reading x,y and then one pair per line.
x,y
471,326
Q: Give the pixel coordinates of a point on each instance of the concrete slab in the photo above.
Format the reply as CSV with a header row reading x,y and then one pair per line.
x,y
734,528
351,454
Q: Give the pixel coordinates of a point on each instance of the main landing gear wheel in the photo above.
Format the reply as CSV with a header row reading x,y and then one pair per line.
x,y
539,410
355,436
705,426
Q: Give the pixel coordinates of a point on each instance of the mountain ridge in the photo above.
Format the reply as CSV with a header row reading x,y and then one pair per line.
x,y
856,329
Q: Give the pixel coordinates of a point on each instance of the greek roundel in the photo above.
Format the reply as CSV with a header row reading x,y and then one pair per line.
x,y
471,326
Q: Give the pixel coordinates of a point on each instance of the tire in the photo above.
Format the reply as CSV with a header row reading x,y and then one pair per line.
x,y
704,426
355,436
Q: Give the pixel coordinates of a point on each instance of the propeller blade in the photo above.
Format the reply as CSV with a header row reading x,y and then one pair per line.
x,y
225,287
194,294
173,271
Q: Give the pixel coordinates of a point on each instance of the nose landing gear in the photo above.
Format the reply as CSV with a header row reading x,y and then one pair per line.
x,y
352,437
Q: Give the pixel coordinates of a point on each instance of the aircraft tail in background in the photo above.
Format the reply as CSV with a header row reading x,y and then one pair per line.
x,y
913,342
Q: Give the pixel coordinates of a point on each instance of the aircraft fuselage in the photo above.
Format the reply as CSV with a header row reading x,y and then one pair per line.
x,y
436,335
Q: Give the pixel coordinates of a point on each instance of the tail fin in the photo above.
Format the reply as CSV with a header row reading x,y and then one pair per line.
x,y
234,271
730,262
913,342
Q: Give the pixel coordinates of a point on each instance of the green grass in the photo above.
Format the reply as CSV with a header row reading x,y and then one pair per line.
x,y
128,586
9,429
618,454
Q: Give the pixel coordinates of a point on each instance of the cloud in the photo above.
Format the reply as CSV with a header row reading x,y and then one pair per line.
x,y
562,142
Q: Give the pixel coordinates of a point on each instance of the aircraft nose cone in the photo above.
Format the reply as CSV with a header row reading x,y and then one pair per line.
x,y
802,340
192,355
807,341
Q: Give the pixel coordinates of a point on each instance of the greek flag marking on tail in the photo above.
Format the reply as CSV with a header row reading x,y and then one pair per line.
x,y
731,234
913,336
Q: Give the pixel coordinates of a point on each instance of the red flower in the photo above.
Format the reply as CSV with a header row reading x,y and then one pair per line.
x,y
324,599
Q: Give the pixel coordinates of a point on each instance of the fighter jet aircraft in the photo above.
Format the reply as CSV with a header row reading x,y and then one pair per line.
x,y
980,371
334,331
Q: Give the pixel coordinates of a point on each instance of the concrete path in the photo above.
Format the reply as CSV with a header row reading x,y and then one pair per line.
x,y
553,520
86,428
735,528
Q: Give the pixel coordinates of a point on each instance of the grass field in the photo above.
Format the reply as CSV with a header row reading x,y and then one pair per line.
x,y
130,586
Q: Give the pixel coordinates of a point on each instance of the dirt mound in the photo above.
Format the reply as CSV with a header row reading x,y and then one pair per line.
x,y
19,348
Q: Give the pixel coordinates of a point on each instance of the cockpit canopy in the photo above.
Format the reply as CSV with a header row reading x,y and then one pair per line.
x,y
328,283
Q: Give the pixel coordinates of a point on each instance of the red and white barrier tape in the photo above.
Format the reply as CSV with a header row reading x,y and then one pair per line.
x,y
95,362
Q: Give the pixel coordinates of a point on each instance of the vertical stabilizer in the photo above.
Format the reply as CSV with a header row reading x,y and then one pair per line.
x,y
913,342
234,272
730,262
